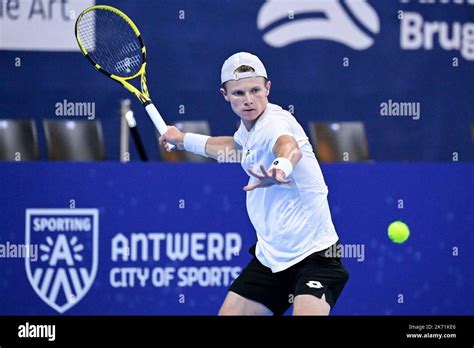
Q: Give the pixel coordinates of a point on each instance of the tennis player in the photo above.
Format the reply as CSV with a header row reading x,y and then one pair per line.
x,y
286,201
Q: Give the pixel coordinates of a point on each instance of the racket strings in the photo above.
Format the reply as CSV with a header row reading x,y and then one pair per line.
x,y
110,42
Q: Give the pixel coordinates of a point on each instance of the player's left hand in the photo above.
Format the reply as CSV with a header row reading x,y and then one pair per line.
x,y
267,178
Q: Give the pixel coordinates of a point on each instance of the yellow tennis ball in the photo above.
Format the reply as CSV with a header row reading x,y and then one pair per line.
x,y
398,232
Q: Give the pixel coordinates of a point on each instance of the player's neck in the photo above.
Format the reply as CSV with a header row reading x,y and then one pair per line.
x,y
249,124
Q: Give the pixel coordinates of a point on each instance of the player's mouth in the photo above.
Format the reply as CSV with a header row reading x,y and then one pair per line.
x,y
248,110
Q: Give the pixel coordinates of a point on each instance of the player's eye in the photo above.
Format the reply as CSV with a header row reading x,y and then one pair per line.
x,y
238,93
255,90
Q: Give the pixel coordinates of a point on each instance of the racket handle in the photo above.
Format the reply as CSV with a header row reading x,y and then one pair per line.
x,y
159,123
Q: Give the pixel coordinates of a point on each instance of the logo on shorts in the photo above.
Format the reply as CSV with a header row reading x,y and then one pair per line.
x,y
287,22
314,284
69,252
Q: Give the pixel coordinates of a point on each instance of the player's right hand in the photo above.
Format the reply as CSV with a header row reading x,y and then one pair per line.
x,y
173,136
267,178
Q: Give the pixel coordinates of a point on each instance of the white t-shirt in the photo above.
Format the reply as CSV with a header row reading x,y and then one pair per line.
x,y
292,220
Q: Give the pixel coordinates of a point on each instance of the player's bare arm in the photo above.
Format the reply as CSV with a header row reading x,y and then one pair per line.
x,y
286,149
223,148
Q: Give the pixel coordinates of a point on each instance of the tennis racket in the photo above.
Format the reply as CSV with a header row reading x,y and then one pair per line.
x,y
113,44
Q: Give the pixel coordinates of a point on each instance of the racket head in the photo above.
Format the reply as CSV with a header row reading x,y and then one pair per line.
x,y
111,42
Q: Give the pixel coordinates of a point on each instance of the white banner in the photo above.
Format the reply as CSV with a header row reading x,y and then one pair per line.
x,y
40,25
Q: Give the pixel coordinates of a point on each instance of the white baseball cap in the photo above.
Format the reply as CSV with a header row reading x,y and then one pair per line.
x,y
237,60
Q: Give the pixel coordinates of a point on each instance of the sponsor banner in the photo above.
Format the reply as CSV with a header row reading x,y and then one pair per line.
x,y
356,24
40,25
151,239
68,241
423,29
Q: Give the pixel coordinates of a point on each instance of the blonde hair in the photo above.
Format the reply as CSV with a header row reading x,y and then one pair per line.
x,y
242,69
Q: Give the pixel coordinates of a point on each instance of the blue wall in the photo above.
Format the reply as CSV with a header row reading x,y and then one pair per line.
x,y
185,57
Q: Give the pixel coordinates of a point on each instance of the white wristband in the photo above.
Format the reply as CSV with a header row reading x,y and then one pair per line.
x,y
283,164
195,143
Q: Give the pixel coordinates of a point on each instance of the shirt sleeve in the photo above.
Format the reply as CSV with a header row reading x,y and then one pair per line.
x,y
281,125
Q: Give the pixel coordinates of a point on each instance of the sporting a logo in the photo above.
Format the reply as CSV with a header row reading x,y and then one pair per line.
x,y
68,242
314,284
348,22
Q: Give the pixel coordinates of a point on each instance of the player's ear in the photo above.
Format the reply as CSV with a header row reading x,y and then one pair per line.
x,y
224,94
268,84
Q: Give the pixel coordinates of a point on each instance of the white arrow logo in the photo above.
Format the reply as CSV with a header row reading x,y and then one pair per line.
x,y
333,20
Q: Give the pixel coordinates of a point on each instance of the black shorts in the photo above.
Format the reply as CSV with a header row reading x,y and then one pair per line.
x,y
315,275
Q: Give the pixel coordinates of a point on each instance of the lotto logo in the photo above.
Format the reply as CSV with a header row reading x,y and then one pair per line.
x,y
314,284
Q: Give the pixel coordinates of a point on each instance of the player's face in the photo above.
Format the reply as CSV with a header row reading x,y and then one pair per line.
x,y
247,97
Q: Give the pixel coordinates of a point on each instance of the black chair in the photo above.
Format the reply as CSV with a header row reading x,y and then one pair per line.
x,y
74,140
18,140
199,127
339,141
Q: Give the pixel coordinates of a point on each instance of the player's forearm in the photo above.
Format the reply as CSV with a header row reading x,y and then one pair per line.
x,y
288,148
223,149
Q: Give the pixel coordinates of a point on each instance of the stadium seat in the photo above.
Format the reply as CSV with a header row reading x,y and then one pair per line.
x,y
74,140
18,140
339,141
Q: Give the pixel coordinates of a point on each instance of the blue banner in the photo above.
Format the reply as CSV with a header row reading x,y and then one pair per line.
x,y
161,239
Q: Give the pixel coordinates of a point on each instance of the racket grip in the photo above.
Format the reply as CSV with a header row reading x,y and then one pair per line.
x,y
159,123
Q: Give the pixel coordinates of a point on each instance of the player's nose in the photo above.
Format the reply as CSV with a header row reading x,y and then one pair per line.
x,y
248,99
